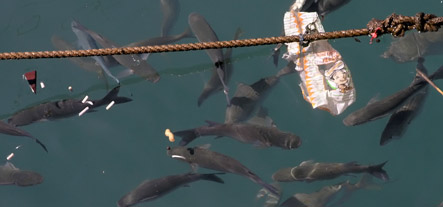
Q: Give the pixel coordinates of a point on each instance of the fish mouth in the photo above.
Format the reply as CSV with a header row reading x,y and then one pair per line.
x,y
178,156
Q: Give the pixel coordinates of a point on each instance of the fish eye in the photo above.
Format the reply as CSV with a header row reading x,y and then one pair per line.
x,y
168,148
191,151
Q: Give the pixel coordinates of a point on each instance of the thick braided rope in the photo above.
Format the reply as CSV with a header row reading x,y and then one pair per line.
x,y
393,24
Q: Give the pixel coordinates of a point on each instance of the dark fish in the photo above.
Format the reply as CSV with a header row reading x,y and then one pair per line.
x,y
163,40
414,45
276,53
202,157
214,85
170,9
247,98
262,118
150,190
10,175
204,33
323,7
309,171
260,136
378,109
14,131
62,109
329,195
400,119
135,63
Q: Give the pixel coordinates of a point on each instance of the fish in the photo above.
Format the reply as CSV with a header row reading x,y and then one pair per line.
x,y
214,85
150,190
287,70
86,42
62,109
323,7
204,33
260,136
87,63
202,157
378,109
247,98
134,62
329,195
400,119
415,45
10,175
163,40
310,171
9,129
171,10
262,118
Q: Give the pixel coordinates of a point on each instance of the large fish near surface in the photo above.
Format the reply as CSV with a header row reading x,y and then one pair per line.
x,y
203,157
62,109
170,9
214,84
379,109
400,119
150,190
135,63
329,195
86,42
310,171
10,175
414,45
260,136
247,98
204,33
14,131
162,40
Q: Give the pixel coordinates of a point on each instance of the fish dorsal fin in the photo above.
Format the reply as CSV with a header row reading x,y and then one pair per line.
x,y
212,123
374,99
307,162
10,166
244,90
205,146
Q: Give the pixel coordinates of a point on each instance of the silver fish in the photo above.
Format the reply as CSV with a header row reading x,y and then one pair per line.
x,y
204,33
258,135
135,63
62,109
10,175
379,109
214,85
171,9
14,131
150,190
247,98
414,45
203,157
309,171
86,42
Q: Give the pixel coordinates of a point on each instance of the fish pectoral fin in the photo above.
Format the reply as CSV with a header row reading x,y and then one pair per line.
x,y
307,162
10,166
374,99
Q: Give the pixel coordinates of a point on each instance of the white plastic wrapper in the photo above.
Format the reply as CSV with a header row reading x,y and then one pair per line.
x,y
326,79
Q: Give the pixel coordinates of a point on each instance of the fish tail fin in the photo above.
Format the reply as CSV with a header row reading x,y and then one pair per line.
x,y
187,136
272,189
377,171
271,200
213,177
112,96
438,74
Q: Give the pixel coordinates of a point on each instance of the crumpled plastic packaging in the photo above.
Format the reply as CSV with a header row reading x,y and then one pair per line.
x,y
326,79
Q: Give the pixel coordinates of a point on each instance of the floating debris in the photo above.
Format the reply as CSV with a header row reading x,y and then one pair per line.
x,y
31,77
10,156
85,99
83,111
169,134
110,105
